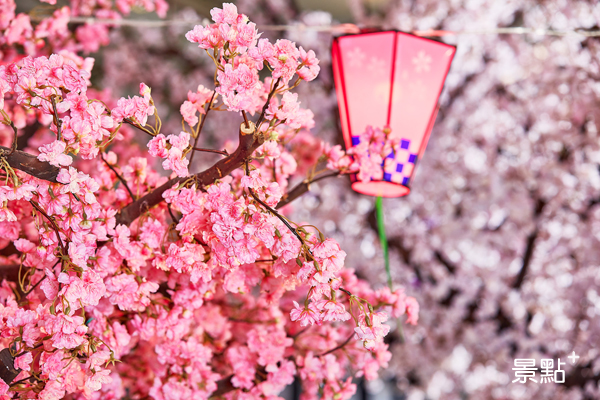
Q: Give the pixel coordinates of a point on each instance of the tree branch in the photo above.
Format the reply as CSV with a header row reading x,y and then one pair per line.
x,y
223,386
221,152
119,177
301,189
530,246
13,146
7,367
248,143
250,140
207,109
341,345
57,121
526,260
30,164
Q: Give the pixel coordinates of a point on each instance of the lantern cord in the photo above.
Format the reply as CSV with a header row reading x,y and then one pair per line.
x,y
386,256
339,28
383,238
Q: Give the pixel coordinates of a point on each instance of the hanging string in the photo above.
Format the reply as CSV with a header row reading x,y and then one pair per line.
x,y
386,256
339,28
383,239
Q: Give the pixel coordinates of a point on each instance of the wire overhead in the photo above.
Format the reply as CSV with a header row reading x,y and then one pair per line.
x,y
338,28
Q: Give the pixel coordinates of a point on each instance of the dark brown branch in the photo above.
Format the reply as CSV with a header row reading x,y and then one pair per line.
x,y
30,164
445,262
221,152
223,386
340,346
29,131
7,367
248,143
301,189
526,259
52,222
34,286
119,177
529,248
245,119
275,213
13,146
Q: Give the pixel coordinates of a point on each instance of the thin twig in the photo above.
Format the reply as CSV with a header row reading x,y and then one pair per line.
x,y
13,147
135,125
52,222
171,214
338,347
208,108
40,281
27,351
300,332
21,381
24,379
266,106
275,213
221,152
57,121
119,177
246,119
34,286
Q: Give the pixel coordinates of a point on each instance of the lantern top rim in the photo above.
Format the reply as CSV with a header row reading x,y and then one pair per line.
x,y
373,31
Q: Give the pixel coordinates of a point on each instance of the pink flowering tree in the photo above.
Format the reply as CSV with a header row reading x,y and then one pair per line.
x,y
128,274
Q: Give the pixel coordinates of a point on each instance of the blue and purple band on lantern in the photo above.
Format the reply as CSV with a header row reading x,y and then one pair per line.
x,y
394,165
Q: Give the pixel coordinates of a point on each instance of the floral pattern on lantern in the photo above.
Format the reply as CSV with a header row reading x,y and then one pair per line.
x,y
391,81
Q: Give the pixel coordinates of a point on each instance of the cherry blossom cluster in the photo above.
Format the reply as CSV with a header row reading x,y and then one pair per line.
x,y
201,291
57,86
503,184
501,140
52,32
367,158
195,104
65,222
239,55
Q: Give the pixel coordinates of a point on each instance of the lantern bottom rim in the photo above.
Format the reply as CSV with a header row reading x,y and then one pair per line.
x,y
381,188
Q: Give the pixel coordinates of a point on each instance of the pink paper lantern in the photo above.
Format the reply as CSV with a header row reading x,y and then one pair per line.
x,y
390,79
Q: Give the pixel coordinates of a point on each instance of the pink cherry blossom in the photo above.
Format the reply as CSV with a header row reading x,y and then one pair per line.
x,y
306,315
185,279
157,147
371,329
3,388
23,362
412,310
